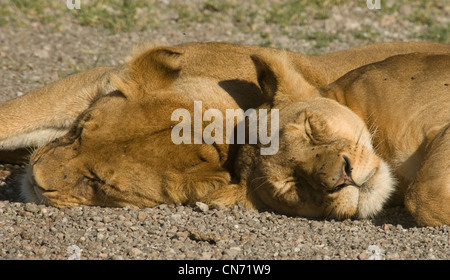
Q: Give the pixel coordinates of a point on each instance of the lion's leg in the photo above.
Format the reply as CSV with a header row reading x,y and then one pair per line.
x,y
428,198
227,196
45,114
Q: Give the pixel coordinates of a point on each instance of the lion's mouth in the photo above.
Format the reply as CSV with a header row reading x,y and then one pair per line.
x,y
366,186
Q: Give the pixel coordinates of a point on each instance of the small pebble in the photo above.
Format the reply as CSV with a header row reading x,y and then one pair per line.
x,y
202,206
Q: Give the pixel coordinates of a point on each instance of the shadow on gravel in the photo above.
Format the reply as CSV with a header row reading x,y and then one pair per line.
x,y
395,216
12,164
9,182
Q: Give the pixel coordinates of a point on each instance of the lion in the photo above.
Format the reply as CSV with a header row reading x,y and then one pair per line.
x,y
403,102
326,166
103,137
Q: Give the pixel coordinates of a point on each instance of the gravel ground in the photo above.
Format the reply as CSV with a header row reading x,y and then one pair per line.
x,y
35,53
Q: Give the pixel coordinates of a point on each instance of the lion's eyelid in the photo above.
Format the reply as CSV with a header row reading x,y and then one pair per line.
x,y
116,93
308,129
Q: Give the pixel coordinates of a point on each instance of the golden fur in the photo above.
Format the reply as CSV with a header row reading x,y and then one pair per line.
x,y
113,124
42,115
404,102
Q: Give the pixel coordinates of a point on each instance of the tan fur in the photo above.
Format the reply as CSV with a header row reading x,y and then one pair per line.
x,y
40,116
45,114
117,150
404,101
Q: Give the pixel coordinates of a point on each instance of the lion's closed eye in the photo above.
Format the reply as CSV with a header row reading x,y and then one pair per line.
x,y
309,130
116,93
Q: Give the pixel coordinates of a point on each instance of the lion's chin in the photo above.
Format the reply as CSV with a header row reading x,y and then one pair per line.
x,y
28,191
375,192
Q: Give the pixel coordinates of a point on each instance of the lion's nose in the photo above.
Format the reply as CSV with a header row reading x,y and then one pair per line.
x,y
346,176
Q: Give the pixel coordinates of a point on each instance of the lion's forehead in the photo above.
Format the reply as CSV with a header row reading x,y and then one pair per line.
x,y
332,121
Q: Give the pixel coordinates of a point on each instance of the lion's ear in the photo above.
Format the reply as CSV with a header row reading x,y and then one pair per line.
x,y
150,70
267,78
157,67
279,80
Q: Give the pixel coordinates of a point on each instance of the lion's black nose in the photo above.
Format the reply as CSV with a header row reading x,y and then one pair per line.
x,y
346,176
346,167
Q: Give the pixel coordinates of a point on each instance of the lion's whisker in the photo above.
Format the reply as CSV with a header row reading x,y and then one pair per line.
x,y
260,185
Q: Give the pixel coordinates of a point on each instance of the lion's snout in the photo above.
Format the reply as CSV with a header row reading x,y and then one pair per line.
x,y
345,177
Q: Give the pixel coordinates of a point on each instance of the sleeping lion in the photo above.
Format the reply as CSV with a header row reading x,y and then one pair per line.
x,y
326,166
103,137
404,104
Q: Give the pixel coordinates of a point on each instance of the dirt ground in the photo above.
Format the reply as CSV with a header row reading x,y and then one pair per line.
x,y
41,44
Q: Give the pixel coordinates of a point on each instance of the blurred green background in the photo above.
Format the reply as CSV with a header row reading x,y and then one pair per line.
x,y
127,16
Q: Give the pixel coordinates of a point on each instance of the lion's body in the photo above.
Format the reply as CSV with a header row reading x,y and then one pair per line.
x,y
110,127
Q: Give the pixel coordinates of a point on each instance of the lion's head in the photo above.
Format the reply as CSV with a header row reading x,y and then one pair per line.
x,y
120,151
326,165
